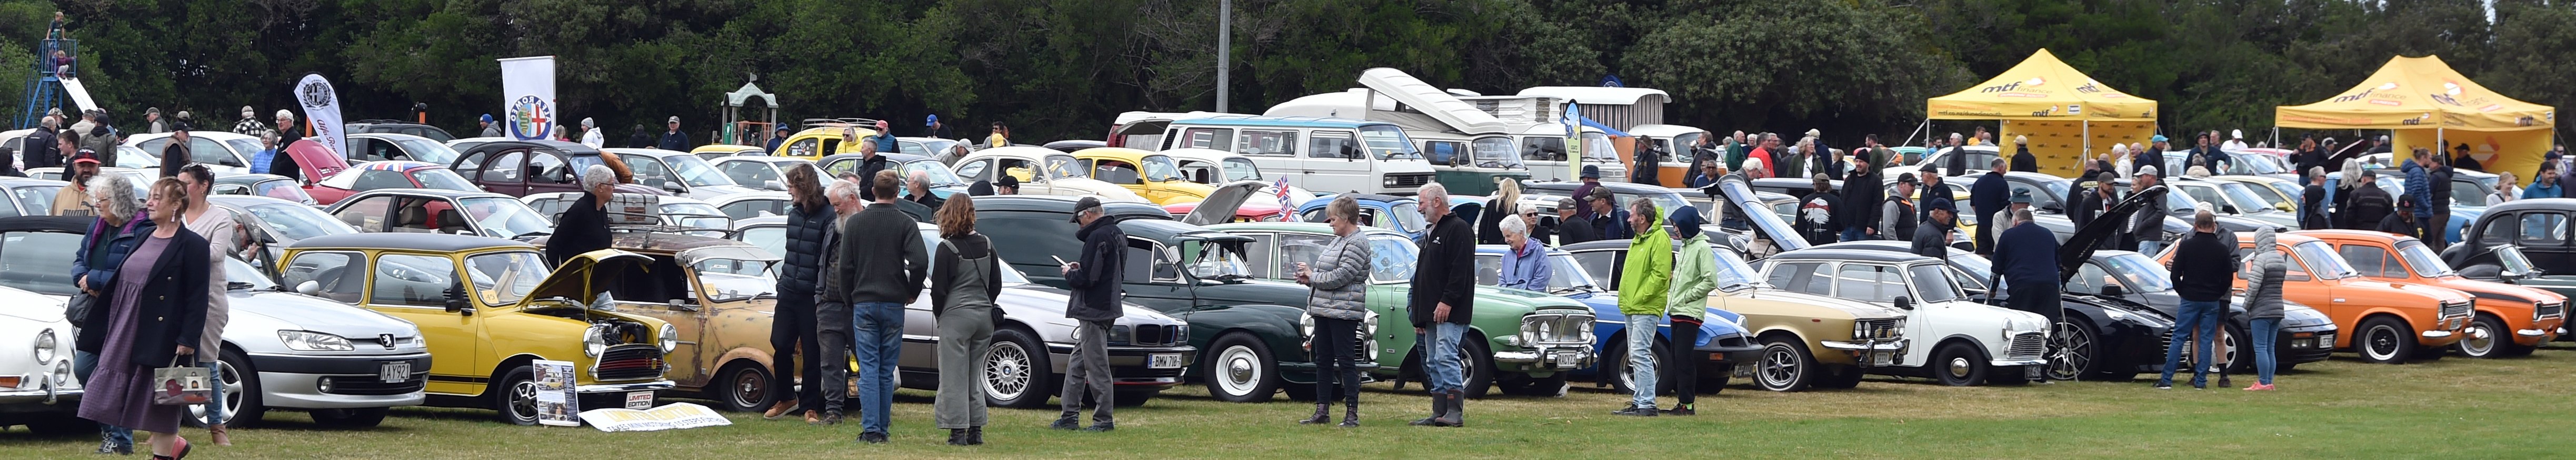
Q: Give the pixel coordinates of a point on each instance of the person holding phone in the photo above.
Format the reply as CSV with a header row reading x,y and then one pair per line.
x,y
1098,291
1339,281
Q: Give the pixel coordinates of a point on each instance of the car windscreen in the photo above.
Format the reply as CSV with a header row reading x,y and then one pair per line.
x,y
293,222
509,217
502,278
1733,271
2422,260
936,173
442,179
425,150
237,271
2139,271
1239,168
695,171
1929,281
1494,152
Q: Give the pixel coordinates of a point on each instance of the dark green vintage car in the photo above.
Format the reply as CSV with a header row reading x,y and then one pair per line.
x,y
1526,342
1247,330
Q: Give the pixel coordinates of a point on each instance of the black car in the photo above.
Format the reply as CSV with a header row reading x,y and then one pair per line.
x,y
2522,242
2139,279
1248,331
399,127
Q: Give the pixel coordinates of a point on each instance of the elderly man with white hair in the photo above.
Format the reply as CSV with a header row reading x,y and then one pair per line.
x,y
284,164
919,189
1444,283
584,226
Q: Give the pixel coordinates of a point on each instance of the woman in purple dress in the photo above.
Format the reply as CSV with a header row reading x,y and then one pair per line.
x,y
154,316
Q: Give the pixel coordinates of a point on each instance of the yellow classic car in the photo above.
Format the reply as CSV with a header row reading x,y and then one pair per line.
x,y
717,293
823,137
1152,175
489,307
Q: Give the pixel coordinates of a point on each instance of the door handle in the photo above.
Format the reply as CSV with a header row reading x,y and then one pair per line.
x,y
2338,300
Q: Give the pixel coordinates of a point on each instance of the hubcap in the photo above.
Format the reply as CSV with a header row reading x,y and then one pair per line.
x,y
1959,367
748,389
232,394
1780,366
1238,369
1007,371
1627,370
523,400
2070,352
2383,343
2480,340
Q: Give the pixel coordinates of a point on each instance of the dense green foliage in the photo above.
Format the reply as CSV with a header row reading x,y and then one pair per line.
x,y
1058,69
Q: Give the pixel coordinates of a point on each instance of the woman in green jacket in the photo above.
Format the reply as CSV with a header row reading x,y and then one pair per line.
x,y
1694,276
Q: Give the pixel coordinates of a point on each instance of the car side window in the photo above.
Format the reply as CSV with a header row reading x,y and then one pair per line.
x,y
648,172
1603,266
505,168
1299,248
1266,142
1801,277
368,214
1258,256
1868,283
2372,261
2497,230
2544,229
411,280
2297,269
2089,279
1206,138
337,275
1116,172
979,170
1330,144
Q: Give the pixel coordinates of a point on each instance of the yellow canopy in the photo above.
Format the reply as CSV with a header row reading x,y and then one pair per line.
x,y
2041,88
2417,92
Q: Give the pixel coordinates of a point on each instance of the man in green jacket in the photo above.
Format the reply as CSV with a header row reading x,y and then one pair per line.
x,y
1694,276
1647,280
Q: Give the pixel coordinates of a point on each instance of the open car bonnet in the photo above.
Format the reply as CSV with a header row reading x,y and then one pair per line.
x,y
2079,247
1744,205
1220,205
580,279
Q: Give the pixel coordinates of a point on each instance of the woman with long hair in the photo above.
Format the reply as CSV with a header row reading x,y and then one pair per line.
x,y
1507,198
1339,281
795,330
153,316
221,233
120,226
964,278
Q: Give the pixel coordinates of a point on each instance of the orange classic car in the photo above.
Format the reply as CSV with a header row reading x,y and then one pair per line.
x,y
2386,322
2510,320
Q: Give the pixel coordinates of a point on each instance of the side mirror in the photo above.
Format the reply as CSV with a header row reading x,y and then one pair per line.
x,y
673,187
456,300
1904,303
309,287
2053,207
773,185
2285,207
2113,290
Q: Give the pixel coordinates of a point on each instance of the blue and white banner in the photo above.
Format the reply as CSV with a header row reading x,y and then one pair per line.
x,y
528,97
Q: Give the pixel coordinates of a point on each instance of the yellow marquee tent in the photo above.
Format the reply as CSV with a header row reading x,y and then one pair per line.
x,y
2063,112
2427,104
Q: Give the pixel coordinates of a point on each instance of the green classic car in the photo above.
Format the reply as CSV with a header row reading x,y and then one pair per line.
x,y
1526,342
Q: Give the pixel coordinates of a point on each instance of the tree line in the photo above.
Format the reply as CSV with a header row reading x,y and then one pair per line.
x,y
1061,69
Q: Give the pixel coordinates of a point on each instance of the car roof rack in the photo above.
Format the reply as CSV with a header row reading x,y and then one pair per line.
x,y
844,121
386,120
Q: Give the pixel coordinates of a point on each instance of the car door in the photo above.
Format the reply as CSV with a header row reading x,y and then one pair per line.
x,y
1390,288
549,171
503,173
2543,236
1602,264
411,287
1335,160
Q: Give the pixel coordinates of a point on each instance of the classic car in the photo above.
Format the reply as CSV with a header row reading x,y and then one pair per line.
x,y
748,205
761,171
822,137
386,174
2385,322
522,168
21,196
678,172
224,151
2101,338
942,182
2306,335
281,350
269,224
2534,229
2280,194
1592,271
489,307
364,147
1040,172
1154,176
2511,320
1068,145
1398,213
713,152
1953,339
1524,354
267,185
1148,351
414,210
1212,166
37,389
719,297
944,150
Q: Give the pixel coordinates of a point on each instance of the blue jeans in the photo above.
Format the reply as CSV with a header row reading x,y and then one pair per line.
x,y
2151,247
2265,329
2198,321
1641,359
877,330
1440,361
215,407
82,363
1853,233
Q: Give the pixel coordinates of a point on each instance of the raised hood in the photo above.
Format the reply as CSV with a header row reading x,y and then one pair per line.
x,y
582,278
1221,203
2079,247
1736,191
1432,101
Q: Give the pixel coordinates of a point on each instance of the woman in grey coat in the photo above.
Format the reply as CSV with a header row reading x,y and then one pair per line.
x,y
2263,275
1339,278
963,282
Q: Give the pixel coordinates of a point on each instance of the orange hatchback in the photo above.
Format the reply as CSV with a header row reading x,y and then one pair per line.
x,y
2510,320
2385,322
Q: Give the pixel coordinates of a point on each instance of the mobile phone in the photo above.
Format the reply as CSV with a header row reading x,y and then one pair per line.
x,y
1059,261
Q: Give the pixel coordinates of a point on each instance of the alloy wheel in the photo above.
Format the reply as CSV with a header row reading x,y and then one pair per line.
x,y
523,400
2477,340
2070,352
232,394
1008,370
1779,367
2381,343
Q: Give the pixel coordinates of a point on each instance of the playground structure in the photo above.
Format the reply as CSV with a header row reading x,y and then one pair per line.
x,y
54,82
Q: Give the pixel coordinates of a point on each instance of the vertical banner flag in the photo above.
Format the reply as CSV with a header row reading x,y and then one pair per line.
x,y
528,97
322,110
1573,140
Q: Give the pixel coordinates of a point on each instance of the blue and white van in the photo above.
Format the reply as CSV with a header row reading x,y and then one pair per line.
x,y
1326,155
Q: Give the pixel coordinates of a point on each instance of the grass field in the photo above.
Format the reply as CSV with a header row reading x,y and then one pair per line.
x,y
2345,409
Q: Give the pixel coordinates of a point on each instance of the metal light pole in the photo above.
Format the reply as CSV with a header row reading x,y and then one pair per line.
x,y
1224,47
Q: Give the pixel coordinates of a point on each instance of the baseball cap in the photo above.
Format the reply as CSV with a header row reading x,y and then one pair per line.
x,y
1007,181
1938,204
782,128
487,118
934,119
85,156
586,123
1599,193
674,119
151,110
2147,171
1565,203
1591,172
1086,204
2021,196
1906,178
2157,138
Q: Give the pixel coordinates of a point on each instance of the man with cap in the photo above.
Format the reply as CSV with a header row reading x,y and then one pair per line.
x,y
2097,198
489,129
2235,140
1862,186
1930,190
1607,220
591,135
1006,185
152,123
73,199
1896,212
1817,219
1591,177
2022,160
935,129
249,124
2026,265
2020,200
777,138
1989,195
1571,227
2147,225
1932,239
884,141
2153,155
1096,278
283,164
674,140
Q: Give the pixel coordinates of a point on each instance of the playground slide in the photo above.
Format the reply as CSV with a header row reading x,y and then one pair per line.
x,y
79,94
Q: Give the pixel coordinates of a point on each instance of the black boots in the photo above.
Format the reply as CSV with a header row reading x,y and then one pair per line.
x,y
1323,413
957,437
1068,422
1456,414
975,436
1439,407
1350,414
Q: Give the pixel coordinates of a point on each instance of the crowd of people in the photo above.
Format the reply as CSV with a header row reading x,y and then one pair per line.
x,y
149,298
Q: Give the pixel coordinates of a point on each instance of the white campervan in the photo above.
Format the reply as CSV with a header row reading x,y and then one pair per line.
x,y
1330,155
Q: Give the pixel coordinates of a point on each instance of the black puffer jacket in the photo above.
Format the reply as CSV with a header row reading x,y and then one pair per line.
x,y
1099,284
801,268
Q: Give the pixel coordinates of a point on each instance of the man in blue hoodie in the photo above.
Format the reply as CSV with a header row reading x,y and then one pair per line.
x,y
2419,193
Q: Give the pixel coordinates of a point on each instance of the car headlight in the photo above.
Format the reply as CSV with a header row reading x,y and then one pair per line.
x,y
45,346
1368,324
313,341
1306,326
1390,181
1121,334
2117,314
670,338
594,340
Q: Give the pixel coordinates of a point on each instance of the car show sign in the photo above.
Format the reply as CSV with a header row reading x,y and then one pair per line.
x,y
672,416
528,97
322,110
557,401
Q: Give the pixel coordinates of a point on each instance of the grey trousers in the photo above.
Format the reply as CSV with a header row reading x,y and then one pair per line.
x,y
1088,371
835,335
965,335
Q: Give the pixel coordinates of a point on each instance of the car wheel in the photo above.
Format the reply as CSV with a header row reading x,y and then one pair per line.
x,y
1841,377
1625,381
514,395
365,417
1017,372
2385,340
242,405
1242,370
742,387
1476,367
2072,350
2238,351
2487,337
1785,366
1958,364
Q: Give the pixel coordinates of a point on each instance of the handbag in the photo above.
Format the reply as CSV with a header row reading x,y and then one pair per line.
x,y
181,385
77,309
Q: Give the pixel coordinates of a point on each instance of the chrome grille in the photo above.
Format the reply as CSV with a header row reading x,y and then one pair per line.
x,y
1557,327
628,362
1883,328
1157,335
2550,310
2027,345
1408,180
2455,309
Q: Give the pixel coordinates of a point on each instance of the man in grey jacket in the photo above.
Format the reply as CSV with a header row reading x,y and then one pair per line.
x,y
1098,290
882,262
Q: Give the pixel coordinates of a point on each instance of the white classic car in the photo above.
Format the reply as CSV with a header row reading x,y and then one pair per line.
x,y
37,388
1041,171
1954,340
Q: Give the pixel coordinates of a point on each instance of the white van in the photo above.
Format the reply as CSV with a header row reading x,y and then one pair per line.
x,y
1329,155
1542,149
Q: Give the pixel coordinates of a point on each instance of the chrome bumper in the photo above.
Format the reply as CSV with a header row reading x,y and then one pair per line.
x,y
1544,356
2437,334
624,387
1869,345
48,395
2017,362
2530,332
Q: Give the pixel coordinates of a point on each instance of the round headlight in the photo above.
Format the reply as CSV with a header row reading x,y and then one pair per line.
x,y
595,340
1368,323
670,338
45,346
1306,326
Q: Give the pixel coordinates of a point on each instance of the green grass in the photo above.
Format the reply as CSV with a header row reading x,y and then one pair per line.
x,y
2452,408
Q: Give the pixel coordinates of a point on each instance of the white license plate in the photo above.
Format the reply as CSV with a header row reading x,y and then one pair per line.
x,y
639,400
1163,361
1882,358
394,371
1567,360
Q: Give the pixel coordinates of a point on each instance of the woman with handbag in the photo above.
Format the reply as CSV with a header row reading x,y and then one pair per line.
x,y
1339,281
963,281
121,225
148,325
222,235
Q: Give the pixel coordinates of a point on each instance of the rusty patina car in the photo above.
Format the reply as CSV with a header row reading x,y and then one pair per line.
x,y
718,296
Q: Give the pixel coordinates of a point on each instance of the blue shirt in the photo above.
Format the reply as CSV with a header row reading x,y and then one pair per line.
x,y
2535,190
1525,268
259,161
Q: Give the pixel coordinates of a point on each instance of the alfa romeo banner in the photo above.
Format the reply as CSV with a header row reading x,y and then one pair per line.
x,y
322,109
528,97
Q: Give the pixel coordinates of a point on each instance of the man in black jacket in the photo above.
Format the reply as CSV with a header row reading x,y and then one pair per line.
x,y
1648,165
1932,238
40,151
869,162
2202,276
1444,283
1571,227
2312,202
2147,226
1861,189
882,264
2022,160
2089,206
283,164
2441,173
1098,288
584,226
2369,204
1988,195
1820,214
175,155
795,327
